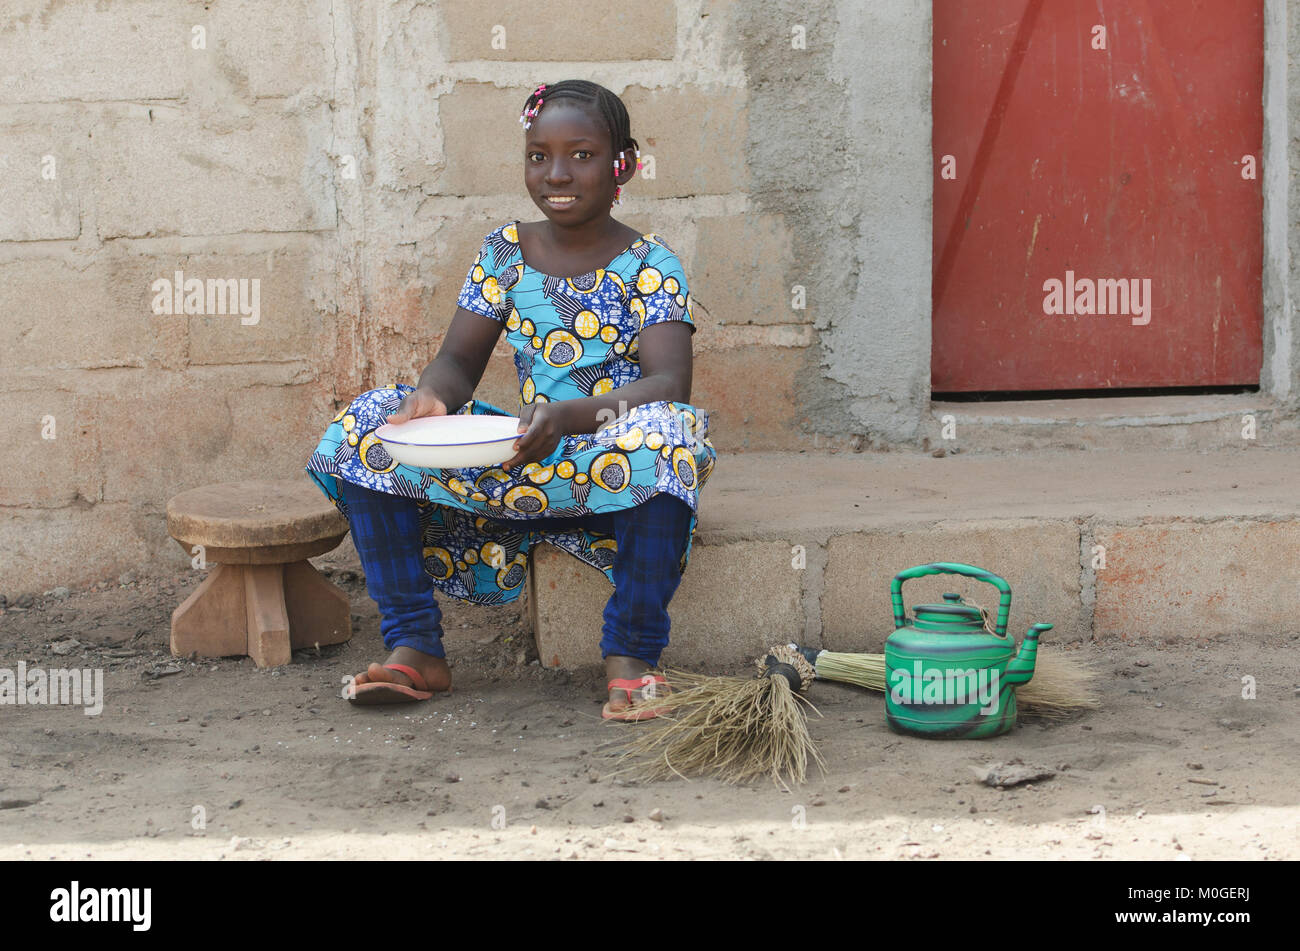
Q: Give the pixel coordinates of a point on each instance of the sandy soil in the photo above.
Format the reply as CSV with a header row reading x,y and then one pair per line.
x,y
219,760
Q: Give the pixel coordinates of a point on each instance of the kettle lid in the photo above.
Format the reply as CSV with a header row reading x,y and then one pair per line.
x,y
954,612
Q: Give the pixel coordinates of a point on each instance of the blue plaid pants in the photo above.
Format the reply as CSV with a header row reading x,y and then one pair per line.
x,y
651,539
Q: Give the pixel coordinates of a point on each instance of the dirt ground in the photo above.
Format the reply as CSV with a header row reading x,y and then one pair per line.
x,y
220,760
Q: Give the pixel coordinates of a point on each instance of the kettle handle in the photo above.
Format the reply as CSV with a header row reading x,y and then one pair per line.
x,y
951,568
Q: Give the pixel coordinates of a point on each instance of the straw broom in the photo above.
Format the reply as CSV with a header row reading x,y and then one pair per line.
x,y
1060,685
736,729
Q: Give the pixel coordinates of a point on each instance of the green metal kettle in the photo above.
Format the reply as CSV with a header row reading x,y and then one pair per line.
x,y
947,676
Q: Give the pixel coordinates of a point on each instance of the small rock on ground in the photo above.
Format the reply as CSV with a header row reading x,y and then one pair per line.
x,y
1012,773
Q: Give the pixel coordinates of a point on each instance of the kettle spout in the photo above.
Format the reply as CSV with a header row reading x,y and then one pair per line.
x,y
1021,668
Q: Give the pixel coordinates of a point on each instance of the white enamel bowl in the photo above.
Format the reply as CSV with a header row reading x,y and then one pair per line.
x,y
451,442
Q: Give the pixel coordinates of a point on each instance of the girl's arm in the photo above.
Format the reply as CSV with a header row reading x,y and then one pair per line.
x,y
666,364
457,369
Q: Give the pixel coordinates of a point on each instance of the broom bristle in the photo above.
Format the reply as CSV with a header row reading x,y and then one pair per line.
x,y
1060,685
737,729
865,670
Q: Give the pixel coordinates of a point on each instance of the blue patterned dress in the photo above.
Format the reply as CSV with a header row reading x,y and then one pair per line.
x,y
573,338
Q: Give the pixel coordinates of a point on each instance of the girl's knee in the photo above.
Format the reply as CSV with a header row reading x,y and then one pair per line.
x,y
381,394
373,407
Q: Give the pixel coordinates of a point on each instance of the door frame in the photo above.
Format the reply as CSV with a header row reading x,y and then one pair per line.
x,y
1277,375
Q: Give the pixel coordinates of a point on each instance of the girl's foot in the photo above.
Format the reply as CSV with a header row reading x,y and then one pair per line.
x,y
434,670
622,668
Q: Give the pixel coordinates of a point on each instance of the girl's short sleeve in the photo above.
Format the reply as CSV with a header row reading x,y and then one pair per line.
x,y
481,294
659,292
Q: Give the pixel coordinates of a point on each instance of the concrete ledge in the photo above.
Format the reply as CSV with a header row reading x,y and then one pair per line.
x,y
1114,423
719,613
802,546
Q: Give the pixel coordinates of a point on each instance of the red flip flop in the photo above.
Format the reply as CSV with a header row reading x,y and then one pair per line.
x,y
374,693
641,688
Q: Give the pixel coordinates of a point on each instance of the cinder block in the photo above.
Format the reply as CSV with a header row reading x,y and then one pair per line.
x,y
696,135
43,182
277,427
290,50
72,545
288,325
1039,560
483,141
734,600
46,472
403,334
138,465
1182,580
750,394
155,443
99,316
145,49
743,270
172,174
121,52
566,31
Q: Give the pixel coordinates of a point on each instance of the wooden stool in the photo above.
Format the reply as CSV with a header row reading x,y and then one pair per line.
x,y
263,598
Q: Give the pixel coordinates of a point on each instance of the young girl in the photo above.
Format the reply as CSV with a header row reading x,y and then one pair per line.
x,y
611,456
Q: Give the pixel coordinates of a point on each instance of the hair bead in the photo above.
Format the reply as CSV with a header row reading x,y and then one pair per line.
x,y
530,112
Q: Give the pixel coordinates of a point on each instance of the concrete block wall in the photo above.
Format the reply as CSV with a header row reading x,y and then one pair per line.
x,y
348,155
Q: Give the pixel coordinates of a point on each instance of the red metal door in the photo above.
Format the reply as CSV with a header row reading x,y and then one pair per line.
x,y
1097,199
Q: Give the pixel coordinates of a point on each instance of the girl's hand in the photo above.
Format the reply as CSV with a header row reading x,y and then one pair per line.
x,y
540,425
417,404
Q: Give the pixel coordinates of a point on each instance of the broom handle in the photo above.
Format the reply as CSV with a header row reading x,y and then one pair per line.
x,y
951,568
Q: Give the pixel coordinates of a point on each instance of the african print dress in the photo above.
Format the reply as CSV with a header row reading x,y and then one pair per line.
x,y
573,338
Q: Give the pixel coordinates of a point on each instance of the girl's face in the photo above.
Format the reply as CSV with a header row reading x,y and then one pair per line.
x,y
569,164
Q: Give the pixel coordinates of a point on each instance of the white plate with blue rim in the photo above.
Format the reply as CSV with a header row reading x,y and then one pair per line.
x,y
451,442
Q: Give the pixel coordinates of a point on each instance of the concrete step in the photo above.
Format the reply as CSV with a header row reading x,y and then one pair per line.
x,y
1133,545
1113,423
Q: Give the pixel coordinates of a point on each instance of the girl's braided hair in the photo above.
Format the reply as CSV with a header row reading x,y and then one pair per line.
x,y
597,99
